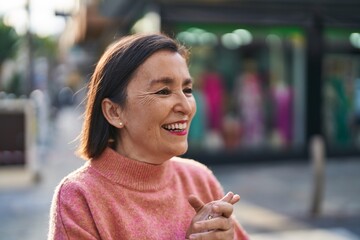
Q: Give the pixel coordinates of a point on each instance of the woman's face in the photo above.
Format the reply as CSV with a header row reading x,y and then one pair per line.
x,y
158,110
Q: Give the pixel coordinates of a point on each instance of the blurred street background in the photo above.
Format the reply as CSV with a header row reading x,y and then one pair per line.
x,y
277,85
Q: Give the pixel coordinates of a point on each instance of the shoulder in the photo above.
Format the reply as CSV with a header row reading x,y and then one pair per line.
x,y
75,183
70,194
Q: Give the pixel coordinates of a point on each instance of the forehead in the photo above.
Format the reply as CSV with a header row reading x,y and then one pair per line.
x,y
162,65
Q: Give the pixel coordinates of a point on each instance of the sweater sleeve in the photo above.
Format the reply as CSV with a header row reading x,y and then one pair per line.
x,y
240,233
70,216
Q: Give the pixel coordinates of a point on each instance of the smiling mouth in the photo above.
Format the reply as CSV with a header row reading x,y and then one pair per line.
x,y
175,127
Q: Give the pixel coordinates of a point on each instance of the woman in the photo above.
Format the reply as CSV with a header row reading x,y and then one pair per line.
x,y
138,114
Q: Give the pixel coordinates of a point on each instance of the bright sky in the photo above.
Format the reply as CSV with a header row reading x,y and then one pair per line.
x,y
43,20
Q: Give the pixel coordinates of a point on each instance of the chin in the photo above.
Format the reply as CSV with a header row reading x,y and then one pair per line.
x,y
180,150
183,151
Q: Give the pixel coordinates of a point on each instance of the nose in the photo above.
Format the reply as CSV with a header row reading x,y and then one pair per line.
x,y
185,104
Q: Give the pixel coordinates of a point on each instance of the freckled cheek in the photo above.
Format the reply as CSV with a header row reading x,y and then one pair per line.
x,y
193,106
152,120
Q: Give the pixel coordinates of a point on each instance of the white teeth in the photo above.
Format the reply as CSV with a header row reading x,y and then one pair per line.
x,y
176,126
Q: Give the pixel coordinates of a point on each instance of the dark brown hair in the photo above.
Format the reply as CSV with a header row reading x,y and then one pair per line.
x,y
110,79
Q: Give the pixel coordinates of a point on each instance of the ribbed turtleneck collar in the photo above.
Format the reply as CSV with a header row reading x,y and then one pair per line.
x,y
130,173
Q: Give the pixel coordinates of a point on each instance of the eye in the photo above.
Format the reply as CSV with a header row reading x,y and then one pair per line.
x,y
164,91
188,90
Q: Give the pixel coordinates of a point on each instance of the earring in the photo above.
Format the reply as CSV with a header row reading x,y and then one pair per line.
x,y
121,124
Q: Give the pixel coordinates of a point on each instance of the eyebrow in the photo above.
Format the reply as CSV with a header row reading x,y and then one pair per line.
x,y
168,81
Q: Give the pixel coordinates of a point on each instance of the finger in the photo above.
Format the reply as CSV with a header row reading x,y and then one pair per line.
x,y
219,223
227,197
195,202
235,199
223,208
202,236
214,234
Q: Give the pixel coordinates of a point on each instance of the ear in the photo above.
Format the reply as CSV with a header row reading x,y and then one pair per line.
x,y
112,112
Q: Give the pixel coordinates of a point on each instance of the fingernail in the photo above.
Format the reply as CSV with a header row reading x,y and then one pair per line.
x,y
215,208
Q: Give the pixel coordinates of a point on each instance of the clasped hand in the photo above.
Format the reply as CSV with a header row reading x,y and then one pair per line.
x,y
212,220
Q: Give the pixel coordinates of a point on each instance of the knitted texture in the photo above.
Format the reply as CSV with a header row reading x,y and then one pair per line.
x,y
113,197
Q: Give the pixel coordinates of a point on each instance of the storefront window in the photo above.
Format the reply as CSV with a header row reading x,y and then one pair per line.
x,y
249,87
341,75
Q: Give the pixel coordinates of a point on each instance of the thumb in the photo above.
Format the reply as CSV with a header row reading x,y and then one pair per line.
x,y
195,202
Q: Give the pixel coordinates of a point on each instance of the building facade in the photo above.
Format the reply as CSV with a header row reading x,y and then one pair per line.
x,y
269,75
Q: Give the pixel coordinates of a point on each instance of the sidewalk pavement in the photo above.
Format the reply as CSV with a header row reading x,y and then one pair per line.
x,y
275,198
24,209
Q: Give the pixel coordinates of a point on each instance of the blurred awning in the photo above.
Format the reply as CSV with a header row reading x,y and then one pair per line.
x,y
279,12
103,19
92,19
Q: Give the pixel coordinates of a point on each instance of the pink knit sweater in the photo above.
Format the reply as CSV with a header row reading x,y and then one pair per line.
x,y
113,197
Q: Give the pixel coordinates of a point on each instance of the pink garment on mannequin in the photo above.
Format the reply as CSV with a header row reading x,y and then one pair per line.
x,y
214,94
